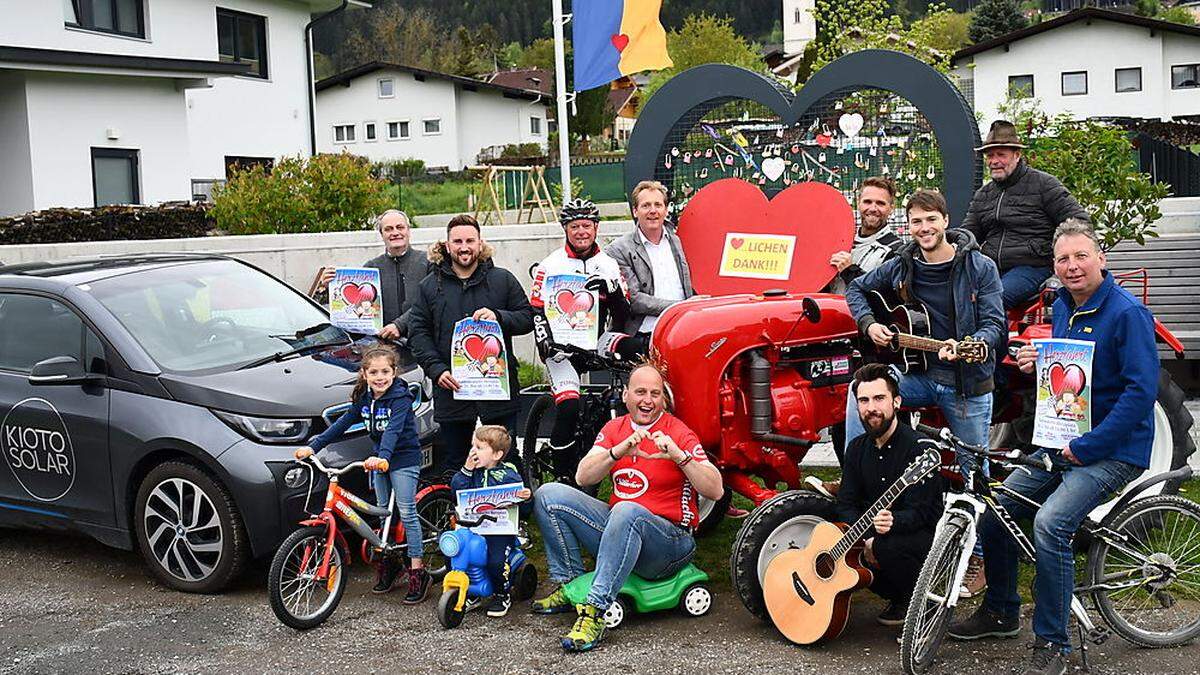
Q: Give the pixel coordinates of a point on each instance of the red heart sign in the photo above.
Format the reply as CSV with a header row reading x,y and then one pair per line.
x,y
824,140
1069,378
737,242
817,215
479,347
570,302
620,41
355,293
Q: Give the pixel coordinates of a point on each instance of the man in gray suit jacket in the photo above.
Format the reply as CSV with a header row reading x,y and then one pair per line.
x,y
651,259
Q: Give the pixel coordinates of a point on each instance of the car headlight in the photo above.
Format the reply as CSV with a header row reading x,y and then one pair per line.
x,y
267,429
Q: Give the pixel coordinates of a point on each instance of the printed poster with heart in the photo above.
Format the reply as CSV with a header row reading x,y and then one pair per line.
x,y
478,361
1064,393
499,501
355,303
572,311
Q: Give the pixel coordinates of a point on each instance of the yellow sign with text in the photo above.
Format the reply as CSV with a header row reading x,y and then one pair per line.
x,y
757,256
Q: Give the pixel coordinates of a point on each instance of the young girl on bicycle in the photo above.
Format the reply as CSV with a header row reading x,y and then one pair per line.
x,y
384,404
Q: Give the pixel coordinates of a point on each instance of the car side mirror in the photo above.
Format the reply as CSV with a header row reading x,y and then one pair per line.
x,y
59,370
811,310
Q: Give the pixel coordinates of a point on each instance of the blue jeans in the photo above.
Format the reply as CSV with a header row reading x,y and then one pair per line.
x,y
1067,497
626,538
403,481
1021,283
969,417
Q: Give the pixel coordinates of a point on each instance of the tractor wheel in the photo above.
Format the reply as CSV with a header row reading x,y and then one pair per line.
x,y
782,522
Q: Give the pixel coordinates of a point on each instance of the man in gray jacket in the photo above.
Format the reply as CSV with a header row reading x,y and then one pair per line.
x,y
652,261
1013,217
401,269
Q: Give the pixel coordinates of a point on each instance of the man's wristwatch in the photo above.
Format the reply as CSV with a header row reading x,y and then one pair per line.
x,y
611,455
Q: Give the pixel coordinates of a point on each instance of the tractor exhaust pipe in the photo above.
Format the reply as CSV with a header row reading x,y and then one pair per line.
x,y
762,411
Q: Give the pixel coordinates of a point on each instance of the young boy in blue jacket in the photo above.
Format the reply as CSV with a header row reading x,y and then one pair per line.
x,y
485,467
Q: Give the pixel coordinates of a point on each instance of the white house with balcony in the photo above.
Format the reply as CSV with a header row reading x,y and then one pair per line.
x,y
1089,63
144,101
386,111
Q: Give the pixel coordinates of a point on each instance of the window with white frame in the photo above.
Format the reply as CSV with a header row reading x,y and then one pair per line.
x,y
535,126
369,131
398,130
343,133
387,87
432,127
1128,79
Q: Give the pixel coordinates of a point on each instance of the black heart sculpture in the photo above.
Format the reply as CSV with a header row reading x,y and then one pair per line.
x,y
685,99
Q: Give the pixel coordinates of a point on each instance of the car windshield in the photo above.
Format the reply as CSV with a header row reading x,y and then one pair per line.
x,y
213,315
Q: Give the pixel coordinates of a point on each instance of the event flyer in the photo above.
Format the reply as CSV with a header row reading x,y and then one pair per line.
x,y
572,311
478,361
355,303
496,500
1064,392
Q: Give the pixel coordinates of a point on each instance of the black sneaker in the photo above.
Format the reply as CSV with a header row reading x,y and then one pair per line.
x,y
985,623
894,614
418,586
385,577
499,605
1047,659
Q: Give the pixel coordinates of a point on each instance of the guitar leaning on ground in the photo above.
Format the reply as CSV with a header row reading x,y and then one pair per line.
x,y
807,591
909,323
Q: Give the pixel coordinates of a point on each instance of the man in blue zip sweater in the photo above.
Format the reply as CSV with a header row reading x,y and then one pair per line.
x,y
1092,307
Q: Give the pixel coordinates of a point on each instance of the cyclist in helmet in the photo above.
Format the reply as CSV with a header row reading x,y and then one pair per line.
x,y
577,294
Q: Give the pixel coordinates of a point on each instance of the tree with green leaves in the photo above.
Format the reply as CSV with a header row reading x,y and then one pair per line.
x,y
993,18
704,38
845,27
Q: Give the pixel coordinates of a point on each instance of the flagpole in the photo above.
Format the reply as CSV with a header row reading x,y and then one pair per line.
x,y
560,87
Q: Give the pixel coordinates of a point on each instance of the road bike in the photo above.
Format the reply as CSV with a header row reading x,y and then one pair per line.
x,y
308,576
1142,571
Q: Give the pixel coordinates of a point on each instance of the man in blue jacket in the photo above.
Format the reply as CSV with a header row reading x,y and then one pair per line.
x,y
960,288
1092,307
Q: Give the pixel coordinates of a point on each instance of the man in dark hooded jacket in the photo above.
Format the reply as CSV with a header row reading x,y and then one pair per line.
x,y
1013,217
465,283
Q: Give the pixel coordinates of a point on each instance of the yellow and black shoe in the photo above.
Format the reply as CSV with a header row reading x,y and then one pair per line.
x,y
555,603
588,630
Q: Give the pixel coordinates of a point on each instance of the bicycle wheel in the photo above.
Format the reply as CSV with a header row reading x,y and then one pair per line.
x,y
1158,604
434,510
536,461
298,598
928,612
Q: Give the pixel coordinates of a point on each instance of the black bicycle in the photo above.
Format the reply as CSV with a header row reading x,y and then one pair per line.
x,y
1142,571
598,403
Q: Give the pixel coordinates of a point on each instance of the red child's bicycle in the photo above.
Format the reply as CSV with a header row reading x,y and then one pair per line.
x,y
308,576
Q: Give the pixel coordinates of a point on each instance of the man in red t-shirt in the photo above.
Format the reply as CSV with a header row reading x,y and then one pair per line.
x,y
657,467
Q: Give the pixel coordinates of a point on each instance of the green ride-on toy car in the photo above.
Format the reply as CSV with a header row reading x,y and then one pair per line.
x,y
686,590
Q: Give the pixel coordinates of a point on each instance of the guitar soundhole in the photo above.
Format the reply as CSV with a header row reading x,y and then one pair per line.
x,y
825,565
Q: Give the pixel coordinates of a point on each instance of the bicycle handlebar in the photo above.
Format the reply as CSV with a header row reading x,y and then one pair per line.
x,y
607,362
332,472
1011,457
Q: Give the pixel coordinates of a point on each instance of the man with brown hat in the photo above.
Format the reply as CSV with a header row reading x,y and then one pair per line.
x,y
1013,217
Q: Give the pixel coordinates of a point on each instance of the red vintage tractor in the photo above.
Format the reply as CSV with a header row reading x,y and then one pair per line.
x,y
760,374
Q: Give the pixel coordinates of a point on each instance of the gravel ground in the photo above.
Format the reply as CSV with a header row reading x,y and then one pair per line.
x,y
73,605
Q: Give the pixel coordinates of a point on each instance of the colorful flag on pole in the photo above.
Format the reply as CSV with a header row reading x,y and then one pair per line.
x,y
613,38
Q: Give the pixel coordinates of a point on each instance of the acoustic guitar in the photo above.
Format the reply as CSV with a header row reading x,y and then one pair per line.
x,y
807,591
912,339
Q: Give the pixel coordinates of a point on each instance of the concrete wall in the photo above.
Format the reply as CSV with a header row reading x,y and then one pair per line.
x,y
16,172
295,258
1072,48
71,113
470,120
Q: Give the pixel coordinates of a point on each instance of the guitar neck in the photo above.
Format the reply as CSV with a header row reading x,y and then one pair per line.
x,y
919,343
860,526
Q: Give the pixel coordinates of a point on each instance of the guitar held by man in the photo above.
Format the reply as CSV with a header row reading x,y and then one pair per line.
x,y
907,338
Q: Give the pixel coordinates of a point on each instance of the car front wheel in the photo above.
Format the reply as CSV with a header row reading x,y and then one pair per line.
x,y
188,529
